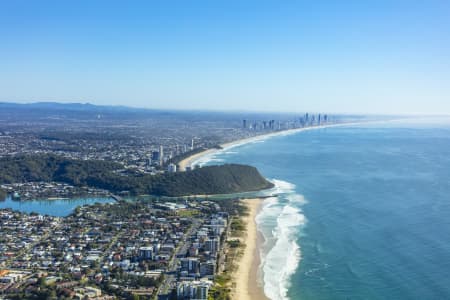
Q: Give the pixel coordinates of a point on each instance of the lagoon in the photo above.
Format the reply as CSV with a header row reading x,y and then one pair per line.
x,y
57,207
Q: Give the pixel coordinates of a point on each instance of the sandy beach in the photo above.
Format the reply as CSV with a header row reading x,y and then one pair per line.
x,y
191,160
246,277
187,162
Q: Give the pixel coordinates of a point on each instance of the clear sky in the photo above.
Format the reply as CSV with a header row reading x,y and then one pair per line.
x,y
374,56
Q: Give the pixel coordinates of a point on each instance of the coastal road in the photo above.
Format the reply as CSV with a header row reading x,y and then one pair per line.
x,y
170,279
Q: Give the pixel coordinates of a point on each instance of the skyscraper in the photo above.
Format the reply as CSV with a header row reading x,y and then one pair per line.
x,y
156,157
161,155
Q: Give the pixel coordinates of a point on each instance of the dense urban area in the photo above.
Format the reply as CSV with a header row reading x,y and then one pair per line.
x,y
127,250
137,247
147,140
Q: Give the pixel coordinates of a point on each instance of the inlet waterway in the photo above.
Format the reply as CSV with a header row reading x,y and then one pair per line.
x,y
56,207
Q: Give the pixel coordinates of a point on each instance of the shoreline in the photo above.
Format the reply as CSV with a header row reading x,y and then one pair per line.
x,y
247,280
247,277
191,160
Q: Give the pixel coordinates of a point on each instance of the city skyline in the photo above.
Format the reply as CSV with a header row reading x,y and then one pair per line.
x,y
378,58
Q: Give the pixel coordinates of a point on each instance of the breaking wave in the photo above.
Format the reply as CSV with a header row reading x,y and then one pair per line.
x,y
280,221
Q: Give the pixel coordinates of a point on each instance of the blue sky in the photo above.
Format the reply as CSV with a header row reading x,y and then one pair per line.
x,y
382,56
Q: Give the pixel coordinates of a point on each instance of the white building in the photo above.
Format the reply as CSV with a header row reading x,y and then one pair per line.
x,y
172,168
146,253
193,290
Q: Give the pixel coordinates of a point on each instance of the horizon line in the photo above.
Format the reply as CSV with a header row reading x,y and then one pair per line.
x,y
405,114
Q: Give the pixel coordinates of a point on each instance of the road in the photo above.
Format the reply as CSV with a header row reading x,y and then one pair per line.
x,y
170,278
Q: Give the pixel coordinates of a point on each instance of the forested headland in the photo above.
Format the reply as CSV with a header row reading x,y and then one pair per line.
x,y
224,179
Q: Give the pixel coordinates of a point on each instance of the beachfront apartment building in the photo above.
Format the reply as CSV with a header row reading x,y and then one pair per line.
x,y
194,290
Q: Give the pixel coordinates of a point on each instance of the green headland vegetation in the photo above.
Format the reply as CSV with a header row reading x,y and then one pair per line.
x,y
224,179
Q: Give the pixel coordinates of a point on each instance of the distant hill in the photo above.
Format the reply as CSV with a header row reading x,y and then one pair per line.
x,y
225,179
50,108
87,111
79,111
62,106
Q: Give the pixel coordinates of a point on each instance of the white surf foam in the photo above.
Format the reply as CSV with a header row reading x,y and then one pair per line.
x,y
204,159
230,152
282,259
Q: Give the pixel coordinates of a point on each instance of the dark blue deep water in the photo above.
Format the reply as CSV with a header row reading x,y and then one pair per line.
x,y
363,212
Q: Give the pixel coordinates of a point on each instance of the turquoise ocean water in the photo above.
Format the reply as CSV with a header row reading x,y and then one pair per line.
x,y
362,212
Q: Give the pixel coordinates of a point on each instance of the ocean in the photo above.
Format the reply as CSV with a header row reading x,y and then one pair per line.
x,y
361,212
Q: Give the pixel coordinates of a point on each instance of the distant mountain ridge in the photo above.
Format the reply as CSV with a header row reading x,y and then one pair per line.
x,y
57,107
85,111
69,106
42,110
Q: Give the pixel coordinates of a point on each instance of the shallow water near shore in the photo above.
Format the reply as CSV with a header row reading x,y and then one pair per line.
x,y
362,211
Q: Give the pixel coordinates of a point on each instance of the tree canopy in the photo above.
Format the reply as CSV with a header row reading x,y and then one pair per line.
x,y
224,179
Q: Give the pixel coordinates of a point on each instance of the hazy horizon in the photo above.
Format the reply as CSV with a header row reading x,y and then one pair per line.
x,y
237,111
383,57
